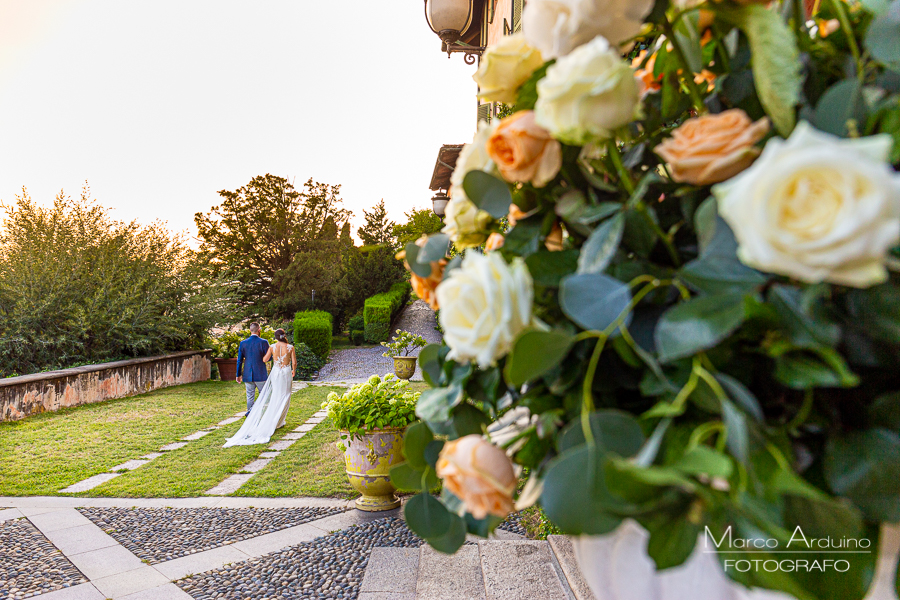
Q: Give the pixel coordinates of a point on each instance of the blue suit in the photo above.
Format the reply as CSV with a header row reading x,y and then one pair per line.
x,y
251,367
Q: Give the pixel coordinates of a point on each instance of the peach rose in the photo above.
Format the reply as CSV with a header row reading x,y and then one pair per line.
x,y
651,82
478,473
515,215
554,240
424,287
494,242
524,151
712,148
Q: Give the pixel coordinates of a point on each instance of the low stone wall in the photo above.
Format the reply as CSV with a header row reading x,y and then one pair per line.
x,y
27,395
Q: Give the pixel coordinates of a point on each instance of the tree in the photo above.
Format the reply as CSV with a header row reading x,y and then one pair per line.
x,y
419,222
378,230
259,229
77,286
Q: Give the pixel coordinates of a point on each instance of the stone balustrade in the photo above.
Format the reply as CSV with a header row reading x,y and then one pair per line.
x,y
27,395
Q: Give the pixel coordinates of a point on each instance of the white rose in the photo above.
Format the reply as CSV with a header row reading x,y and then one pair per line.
x,y
464,222
505,67
556,27
587,94
485,304
816,207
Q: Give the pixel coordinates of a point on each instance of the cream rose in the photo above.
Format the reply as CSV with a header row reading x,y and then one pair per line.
x,y
587,94
817,208
504,67
485,304
464,222
524,151
556,27
478,473
712,148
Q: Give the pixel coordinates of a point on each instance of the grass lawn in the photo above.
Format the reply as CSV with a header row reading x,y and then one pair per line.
x,y
203,463
45,453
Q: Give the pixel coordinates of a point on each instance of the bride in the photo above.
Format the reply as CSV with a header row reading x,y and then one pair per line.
x,y
270,410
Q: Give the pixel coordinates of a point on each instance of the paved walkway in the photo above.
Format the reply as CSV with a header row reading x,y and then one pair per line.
x,y
358,364
63,548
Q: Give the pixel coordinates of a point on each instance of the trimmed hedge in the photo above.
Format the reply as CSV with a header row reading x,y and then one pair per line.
x,y
313,328
379,311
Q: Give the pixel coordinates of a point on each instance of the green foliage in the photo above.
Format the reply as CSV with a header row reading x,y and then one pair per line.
x,y
378,230
78,287
379,403
225,345
380,309
419,222
314,328
370,271
403,343
308,362
264,227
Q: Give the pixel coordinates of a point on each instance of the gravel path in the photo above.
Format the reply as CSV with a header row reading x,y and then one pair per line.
x,y
327,567
160,534
30,564
358,364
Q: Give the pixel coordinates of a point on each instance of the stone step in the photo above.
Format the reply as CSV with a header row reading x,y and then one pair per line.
x,y
489,570
561,546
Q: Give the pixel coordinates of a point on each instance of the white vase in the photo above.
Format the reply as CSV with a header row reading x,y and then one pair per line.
x,y
616,567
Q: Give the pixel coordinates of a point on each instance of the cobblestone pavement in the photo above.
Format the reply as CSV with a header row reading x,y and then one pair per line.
x,y
327,567
513,524
30,564
358,364
160,534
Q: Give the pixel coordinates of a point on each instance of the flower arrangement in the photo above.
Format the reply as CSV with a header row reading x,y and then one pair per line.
x,y
379,403
693,321
403,343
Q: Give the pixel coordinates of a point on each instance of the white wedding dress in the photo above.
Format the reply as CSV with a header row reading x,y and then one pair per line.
x,y
270,409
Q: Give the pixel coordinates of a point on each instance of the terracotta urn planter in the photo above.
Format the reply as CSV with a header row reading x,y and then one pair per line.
x,y
368,460
404,366
227,368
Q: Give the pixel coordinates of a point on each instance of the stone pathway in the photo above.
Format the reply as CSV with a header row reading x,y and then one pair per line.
x,y
92,482
358,364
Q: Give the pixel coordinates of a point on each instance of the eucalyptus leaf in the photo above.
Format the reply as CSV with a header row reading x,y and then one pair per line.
x,y
715,274
404,477
863,466
743,397
430,358
435,404
548,268
672,539
468,420
805,321
455,537
883,37
841,104
703,460
738,440
594,301
775,60
416,438
488,193
412,259
435,248
601,245
426,516
698,324
534,353
613,430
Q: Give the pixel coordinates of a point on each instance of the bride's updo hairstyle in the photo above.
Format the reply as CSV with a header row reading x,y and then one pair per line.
x,y
279,335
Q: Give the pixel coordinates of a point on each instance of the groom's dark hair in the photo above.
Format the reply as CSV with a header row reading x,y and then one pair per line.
x,y
254,328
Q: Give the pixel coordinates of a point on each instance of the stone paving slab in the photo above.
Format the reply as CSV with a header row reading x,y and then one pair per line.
x,y
293,436
270,454
89,483
282,445
230,420
315,420
241,414
443,577
130,465
196,436
124,584
152,455
10,513
104,562
305,428
520,570
169,591
173,446
63,518
272,542
391,570
200,562
30,564
84,591
256,466
565,556
76,540
35,505
229,486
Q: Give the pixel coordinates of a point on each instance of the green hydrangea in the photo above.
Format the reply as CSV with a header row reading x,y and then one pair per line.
x,y
379,403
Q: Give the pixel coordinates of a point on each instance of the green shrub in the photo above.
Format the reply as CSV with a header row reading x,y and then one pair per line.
x,y
225,345
378,403
307,362
357,337
380,310
313,328
357,323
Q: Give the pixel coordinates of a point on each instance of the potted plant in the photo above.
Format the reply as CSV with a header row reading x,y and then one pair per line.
x,y
689,334
225,349
356,327
399,349
372,418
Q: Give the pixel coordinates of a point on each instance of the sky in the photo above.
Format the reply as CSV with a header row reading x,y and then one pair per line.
x,y
159,104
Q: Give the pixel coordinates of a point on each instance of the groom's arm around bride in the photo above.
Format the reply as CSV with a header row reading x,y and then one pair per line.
x,y
251,370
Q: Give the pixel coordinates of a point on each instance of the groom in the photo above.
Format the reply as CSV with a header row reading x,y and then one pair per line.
x,y
253,349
